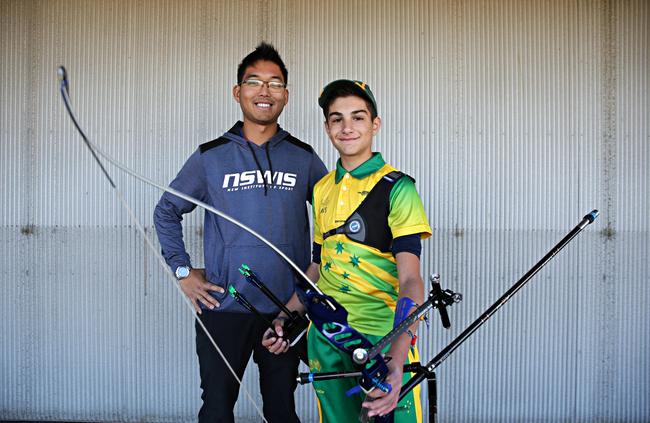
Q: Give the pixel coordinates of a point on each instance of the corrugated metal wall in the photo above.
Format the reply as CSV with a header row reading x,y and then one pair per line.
x,y
516,118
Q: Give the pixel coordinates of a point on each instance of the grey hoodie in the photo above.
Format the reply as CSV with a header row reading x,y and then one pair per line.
x,y
266,188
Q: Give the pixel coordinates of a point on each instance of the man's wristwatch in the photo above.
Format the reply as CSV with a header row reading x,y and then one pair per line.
x,y
182,272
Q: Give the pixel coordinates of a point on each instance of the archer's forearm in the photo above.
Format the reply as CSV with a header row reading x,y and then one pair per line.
x,y
411,286
294,303
313,272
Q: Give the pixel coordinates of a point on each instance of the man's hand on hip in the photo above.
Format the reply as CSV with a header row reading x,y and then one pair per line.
x,y
197,289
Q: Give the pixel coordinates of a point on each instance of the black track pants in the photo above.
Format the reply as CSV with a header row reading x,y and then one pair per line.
x,y
238,335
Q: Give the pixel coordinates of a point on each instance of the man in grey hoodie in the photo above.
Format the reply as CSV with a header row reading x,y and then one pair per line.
x,y
261,175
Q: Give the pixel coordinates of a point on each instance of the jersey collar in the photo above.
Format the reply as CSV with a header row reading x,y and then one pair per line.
x,y
366,168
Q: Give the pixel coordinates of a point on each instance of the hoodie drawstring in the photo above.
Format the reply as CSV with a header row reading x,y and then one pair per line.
x,y
268,157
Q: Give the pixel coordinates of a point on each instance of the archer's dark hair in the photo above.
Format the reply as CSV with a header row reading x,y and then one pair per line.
x,y
264,51
347,91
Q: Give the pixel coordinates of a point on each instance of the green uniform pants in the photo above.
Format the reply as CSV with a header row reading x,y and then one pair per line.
x,y
333,405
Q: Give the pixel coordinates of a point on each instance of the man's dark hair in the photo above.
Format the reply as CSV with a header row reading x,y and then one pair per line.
x,y
347,91
264,51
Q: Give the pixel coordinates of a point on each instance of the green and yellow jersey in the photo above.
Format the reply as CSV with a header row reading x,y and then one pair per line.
x,y
362,278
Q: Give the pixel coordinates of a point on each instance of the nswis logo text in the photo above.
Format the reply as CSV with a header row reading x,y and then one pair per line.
x,y
255,179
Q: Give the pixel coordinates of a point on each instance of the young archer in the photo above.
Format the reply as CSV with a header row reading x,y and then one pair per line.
x,y
367,275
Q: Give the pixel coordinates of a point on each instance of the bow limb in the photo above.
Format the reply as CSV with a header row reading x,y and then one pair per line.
x,y
96,151
93,149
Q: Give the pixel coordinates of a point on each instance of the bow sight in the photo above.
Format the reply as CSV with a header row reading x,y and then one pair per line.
x,y
437,298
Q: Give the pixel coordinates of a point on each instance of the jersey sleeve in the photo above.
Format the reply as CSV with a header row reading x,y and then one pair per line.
x,y
407,215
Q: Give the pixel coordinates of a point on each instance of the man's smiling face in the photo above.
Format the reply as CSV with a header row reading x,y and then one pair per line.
x,y
261,105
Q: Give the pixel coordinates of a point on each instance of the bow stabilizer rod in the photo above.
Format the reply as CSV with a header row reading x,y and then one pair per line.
x,y
453,345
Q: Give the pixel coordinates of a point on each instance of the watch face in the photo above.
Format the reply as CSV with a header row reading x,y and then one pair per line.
x,y
182,272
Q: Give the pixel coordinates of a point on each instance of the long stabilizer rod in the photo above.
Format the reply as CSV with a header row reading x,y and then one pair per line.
x,y
446,352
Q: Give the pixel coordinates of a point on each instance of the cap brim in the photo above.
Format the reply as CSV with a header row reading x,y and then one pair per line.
x,y
325,96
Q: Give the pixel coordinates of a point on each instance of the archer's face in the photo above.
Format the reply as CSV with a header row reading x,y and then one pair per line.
x,y
350,128
261,105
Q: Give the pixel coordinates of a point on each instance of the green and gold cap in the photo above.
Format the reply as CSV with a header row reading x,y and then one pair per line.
x,y
359,87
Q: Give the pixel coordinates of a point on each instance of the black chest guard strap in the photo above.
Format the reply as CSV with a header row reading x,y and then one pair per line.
x,y
368,224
